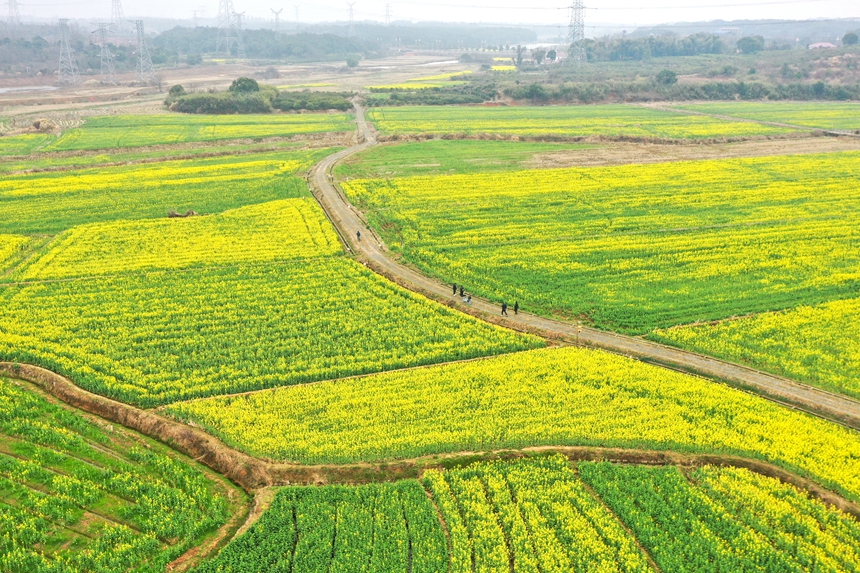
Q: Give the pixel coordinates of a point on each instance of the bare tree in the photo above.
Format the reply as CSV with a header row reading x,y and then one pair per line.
x,y
520,51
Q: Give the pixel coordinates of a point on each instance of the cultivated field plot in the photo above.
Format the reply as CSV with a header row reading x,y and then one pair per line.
x,y
569,121
425,82
441,157
564,396
391,527
59,161
79,495
54,202
819,345
154,338
634,247
111,132
269,300
284,230
819,115
542,515
10,245
22,144
725,519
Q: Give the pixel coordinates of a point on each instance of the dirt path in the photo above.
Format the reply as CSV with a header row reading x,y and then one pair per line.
x,y
370,249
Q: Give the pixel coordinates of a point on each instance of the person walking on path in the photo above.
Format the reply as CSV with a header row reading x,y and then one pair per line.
x,y
504,309
358,235
454,286
469,300
516,307
461,291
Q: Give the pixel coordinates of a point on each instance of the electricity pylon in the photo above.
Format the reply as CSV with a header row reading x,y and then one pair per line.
x,y
68,73
108,71
14,18
117,18
351,23
240,47
145,73
226,28
388,14
576,33
277,17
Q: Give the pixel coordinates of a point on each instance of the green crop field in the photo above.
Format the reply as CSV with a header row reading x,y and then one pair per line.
x,y
724,519
634,247
383,528
94,158
570,121
542,515
819,345
564,396
113,132
77,495
441,157
54,202
818,115
22,144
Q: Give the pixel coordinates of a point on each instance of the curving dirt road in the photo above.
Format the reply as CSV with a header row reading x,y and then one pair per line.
x,y
348,221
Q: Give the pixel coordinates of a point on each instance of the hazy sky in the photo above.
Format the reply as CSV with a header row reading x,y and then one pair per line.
x,y
624,13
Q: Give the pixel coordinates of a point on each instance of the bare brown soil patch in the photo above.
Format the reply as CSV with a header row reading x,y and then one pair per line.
x,y
620,153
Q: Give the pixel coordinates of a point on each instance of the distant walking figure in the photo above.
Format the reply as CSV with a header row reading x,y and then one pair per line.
x,y
505,309
461,291
516,307
454,286
358,235
469,300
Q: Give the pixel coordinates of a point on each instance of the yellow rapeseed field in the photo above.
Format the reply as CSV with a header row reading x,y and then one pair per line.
x,y
819,344
9,245
275,231
566,396
572,121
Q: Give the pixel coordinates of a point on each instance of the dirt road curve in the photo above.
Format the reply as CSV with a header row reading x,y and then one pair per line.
x,y
348,221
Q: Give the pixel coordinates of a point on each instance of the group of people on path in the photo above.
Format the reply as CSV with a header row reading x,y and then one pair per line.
x,y
468,299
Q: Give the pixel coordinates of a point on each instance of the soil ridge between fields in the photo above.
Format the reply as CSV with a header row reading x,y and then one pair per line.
x,y
253,473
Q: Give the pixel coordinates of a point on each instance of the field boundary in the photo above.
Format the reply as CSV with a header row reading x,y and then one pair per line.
x,y
253,473
372,251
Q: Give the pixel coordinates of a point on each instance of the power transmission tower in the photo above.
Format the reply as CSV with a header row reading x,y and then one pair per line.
x,y
117,18
108,72
277,17
576,33
68,72
194,16
226,27
388,14
351,24
297,15
240,48
145,73
14,18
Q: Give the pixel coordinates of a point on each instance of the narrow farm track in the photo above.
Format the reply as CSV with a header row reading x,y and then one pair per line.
x,y
348,221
